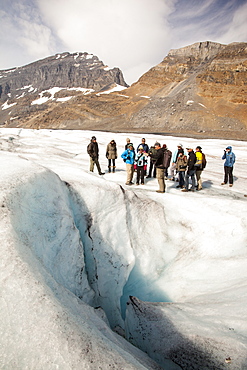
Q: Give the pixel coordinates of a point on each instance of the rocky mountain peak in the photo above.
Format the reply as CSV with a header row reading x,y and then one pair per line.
x,y
61,70
197,90
198,51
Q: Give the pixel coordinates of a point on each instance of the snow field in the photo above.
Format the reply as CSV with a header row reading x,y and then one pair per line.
x,y
71,239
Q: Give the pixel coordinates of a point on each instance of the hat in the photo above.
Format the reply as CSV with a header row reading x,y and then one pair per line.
x,y
140,147
130,144
180,145
157,144
199,147
93,138
164,146
189,148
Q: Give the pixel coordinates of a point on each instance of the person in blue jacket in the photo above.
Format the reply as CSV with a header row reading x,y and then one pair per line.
x,y
144,145
129,158
230,158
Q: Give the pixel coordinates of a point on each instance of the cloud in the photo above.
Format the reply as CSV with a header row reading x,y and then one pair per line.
x,y
133,35
23,35
236,30
123,33
209,20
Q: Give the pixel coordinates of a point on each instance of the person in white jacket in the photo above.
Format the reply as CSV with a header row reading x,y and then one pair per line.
x,y
141,162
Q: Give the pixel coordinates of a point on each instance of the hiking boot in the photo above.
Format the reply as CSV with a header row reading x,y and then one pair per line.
x,y
185,190
230,185
142,183
160,191
223,183
137,183
101,173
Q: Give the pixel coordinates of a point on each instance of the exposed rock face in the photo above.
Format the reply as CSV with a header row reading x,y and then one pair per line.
x,y
198,90
62,70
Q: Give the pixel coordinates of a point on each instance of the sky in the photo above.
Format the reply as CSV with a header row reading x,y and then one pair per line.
x,y
68,233
133,35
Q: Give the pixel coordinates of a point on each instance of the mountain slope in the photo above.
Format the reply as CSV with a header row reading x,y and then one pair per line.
x,y
62,70
71,74
196,90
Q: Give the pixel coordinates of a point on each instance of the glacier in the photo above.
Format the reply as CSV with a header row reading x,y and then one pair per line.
x,y
97,274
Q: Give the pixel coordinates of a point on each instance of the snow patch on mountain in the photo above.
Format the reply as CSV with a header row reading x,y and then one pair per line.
x,y
43,99
115,88
7,106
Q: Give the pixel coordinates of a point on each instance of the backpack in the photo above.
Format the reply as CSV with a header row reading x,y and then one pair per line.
x,y
167,158
204,161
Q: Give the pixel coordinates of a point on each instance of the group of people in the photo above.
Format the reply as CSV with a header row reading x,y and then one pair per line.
x,y
186,165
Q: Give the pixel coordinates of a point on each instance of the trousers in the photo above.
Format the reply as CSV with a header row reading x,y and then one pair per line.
x,y
140,174
94,161
190,174
160,175
130,172
199,180
228,174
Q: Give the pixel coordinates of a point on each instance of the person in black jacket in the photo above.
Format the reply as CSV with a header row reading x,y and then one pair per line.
x,y
159,165
152,154
93,151
191,170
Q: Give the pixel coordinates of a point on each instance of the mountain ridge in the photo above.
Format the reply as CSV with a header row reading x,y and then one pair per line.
x,y
198,90
63,70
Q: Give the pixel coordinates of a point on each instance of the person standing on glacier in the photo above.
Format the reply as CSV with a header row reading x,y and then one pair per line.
x,y
111,155
230,158
129,158
174,161
160,166
141,162
93,151
191,170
